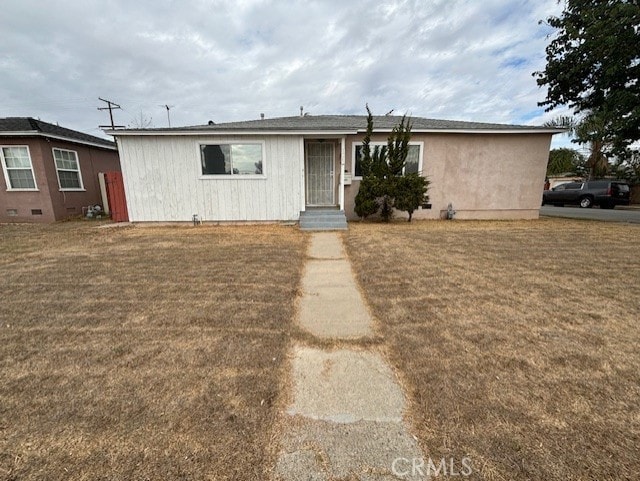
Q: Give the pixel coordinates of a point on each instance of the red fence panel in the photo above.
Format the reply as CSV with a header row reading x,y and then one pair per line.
x,y
116,197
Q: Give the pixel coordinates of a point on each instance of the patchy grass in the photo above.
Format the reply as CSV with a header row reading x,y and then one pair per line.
x,y
142,353
518,341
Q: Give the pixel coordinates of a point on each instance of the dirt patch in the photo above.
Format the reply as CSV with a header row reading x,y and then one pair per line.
x,y
143,353
517,341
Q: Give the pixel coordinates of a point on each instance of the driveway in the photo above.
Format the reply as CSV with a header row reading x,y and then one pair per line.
x,y
614,215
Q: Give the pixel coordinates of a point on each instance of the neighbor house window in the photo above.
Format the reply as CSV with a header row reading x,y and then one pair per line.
x,y
68,168
18,170
412,165
232,159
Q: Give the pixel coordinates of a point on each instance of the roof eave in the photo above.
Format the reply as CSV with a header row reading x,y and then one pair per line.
x,y
532,130
168,132
124,133
37,133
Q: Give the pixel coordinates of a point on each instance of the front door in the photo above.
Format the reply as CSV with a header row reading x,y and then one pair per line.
x,y
320,185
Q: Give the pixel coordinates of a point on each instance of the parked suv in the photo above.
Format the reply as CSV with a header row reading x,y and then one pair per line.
x,y
605,193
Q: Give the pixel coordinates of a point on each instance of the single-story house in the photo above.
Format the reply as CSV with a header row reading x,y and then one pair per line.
x,y
281,168
556,180
50,172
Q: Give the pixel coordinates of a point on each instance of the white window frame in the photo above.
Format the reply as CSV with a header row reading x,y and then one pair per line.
x,y
55,164
5,170
231,176
380,144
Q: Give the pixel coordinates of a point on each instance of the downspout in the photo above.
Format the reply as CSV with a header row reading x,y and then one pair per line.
x,y
342,163
303,184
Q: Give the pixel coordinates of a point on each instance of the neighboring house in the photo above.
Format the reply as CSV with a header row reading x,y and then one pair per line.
x,y
274,169
556,180
50,173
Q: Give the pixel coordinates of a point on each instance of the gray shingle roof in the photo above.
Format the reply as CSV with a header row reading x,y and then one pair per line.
x,y
38,127
344,123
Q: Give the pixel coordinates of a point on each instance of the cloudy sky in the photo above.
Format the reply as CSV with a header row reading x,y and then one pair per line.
x,y
232,60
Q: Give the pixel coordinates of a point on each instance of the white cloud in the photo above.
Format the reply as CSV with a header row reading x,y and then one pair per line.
x,y
226,61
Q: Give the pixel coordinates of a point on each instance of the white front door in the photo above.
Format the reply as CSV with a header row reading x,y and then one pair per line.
x,y
320,186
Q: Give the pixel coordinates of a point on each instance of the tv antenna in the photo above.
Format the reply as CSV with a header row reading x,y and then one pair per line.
x,y
168,107
111,106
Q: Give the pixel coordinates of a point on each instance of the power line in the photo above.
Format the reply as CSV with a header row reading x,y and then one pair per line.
x,y
111,106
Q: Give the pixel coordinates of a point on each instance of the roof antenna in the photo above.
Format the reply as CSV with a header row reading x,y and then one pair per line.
x,y
389,113
261,116
301,111
168,107
111,106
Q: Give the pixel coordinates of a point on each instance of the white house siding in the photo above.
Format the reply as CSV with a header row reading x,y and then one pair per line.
x,y
162,179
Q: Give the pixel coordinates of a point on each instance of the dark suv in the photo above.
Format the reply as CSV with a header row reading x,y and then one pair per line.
x,y
605,193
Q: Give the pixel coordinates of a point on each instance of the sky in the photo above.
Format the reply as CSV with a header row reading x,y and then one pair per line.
x,y
233,60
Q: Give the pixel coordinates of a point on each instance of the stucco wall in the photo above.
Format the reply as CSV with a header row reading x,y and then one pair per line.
x,y
54,203
92,161
163,181
484,176
24,201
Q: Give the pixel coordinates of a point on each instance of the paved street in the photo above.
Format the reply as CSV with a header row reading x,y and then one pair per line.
x,y
615,215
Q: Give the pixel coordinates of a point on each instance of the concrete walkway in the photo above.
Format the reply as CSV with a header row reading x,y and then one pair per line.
x,y
345,417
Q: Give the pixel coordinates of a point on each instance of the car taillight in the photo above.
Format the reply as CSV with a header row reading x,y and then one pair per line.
x,y
609,191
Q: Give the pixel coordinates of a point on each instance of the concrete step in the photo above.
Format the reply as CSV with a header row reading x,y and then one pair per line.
x,y
325,213
323,219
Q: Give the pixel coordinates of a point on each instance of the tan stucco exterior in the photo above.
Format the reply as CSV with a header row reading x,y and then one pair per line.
x,y
484,176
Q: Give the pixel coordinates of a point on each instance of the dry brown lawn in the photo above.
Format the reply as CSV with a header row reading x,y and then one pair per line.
x,y
518,342
150,353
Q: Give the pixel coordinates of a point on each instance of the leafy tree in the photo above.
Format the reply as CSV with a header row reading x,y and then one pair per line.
x,y
367,197
593,65
589,130
411,192
627,168
384,187
564,160
366,201
592,130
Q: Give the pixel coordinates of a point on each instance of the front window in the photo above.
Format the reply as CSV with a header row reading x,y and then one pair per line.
x,y
231,159
412,164
18,170
68,168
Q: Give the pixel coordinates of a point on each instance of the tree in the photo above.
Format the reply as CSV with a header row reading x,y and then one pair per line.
x,y
366,201
141,121
593,65
411,193
384,186
564,160
627,168
589,130
592,130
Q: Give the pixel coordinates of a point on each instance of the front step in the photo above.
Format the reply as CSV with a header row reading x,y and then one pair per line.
x,y
323,219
